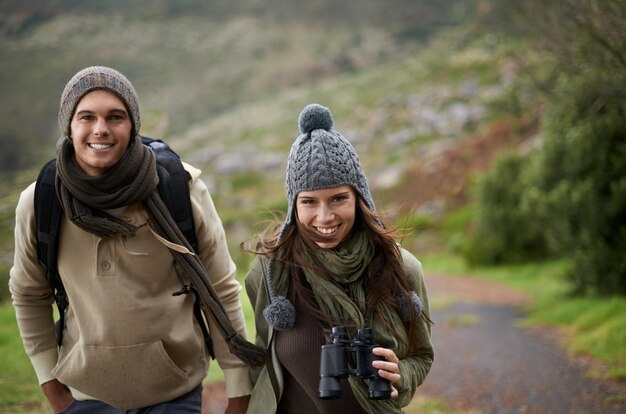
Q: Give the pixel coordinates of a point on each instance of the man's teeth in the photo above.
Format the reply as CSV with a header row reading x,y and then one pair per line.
x,y
327,230
100,146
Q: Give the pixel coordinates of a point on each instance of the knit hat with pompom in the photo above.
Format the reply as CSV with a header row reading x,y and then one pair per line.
x,y
319,158
322,158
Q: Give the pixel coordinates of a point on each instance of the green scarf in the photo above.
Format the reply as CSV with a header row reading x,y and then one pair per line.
x,y
343,298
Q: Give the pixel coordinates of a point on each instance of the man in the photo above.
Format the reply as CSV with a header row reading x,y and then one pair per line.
x,y
128,343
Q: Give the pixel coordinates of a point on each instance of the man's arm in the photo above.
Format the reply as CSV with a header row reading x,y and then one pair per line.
x,y
32,299
214,254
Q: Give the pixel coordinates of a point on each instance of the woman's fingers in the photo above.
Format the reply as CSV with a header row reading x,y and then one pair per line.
x,y
389,368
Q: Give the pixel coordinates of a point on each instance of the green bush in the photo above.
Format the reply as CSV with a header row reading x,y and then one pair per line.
x,y
569,198
505,228
581,179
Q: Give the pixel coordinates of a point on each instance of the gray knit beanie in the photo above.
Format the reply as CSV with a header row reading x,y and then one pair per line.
x,y
96,78
322,158
319,158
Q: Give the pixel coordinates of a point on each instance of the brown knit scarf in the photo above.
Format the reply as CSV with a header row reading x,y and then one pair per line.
x,y
131,180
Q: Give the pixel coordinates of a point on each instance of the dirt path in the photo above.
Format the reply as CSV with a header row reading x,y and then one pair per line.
x,y
487,363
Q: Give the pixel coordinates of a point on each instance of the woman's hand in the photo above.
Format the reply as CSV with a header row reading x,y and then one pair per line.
x,y
388,369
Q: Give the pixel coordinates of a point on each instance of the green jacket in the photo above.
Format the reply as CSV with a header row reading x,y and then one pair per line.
x,y
268,379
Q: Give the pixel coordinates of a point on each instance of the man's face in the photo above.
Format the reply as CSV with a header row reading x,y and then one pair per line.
x,y
100,131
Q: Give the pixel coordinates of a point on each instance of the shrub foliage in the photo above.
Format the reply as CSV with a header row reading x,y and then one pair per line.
x,y
569,196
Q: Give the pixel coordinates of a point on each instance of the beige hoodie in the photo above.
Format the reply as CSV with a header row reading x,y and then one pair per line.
x,y
128,341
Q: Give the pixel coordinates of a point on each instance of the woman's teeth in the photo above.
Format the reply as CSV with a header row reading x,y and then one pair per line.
x,y
327,230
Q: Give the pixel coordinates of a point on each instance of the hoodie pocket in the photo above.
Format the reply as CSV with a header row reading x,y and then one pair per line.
x,y
125,376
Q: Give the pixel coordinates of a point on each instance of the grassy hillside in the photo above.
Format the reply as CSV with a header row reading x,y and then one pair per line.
x,y
225,83
184,71
443,112
194,59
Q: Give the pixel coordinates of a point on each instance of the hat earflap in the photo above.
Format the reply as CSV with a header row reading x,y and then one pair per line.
x,y
280,313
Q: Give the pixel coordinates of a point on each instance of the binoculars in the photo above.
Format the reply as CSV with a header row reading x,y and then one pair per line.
x,y
335,364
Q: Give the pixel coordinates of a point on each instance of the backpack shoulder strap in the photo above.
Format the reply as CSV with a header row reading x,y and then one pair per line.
x,y
47,208
48,213
174,187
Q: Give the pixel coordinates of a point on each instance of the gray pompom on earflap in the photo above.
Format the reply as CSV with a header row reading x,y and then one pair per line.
x,y
416,302
280,314
315,116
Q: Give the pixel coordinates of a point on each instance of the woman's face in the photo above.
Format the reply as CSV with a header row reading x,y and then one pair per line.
x,y
328,213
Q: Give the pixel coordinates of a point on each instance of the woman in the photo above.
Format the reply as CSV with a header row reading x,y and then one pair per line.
x,y
334,263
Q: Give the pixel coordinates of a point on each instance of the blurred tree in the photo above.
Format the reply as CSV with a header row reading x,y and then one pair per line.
x,y
590,33
582,168
574,189
581,179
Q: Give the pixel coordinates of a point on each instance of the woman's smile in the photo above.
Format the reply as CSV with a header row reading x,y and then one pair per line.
x,y
327,230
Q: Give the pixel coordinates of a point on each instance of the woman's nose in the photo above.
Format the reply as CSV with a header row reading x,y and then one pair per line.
x,y
324,213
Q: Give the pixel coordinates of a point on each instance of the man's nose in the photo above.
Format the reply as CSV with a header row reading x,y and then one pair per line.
x,y
101,127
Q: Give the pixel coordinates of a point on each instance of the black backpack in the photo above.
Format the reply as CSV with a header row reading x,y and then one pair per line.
x,y
173,188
